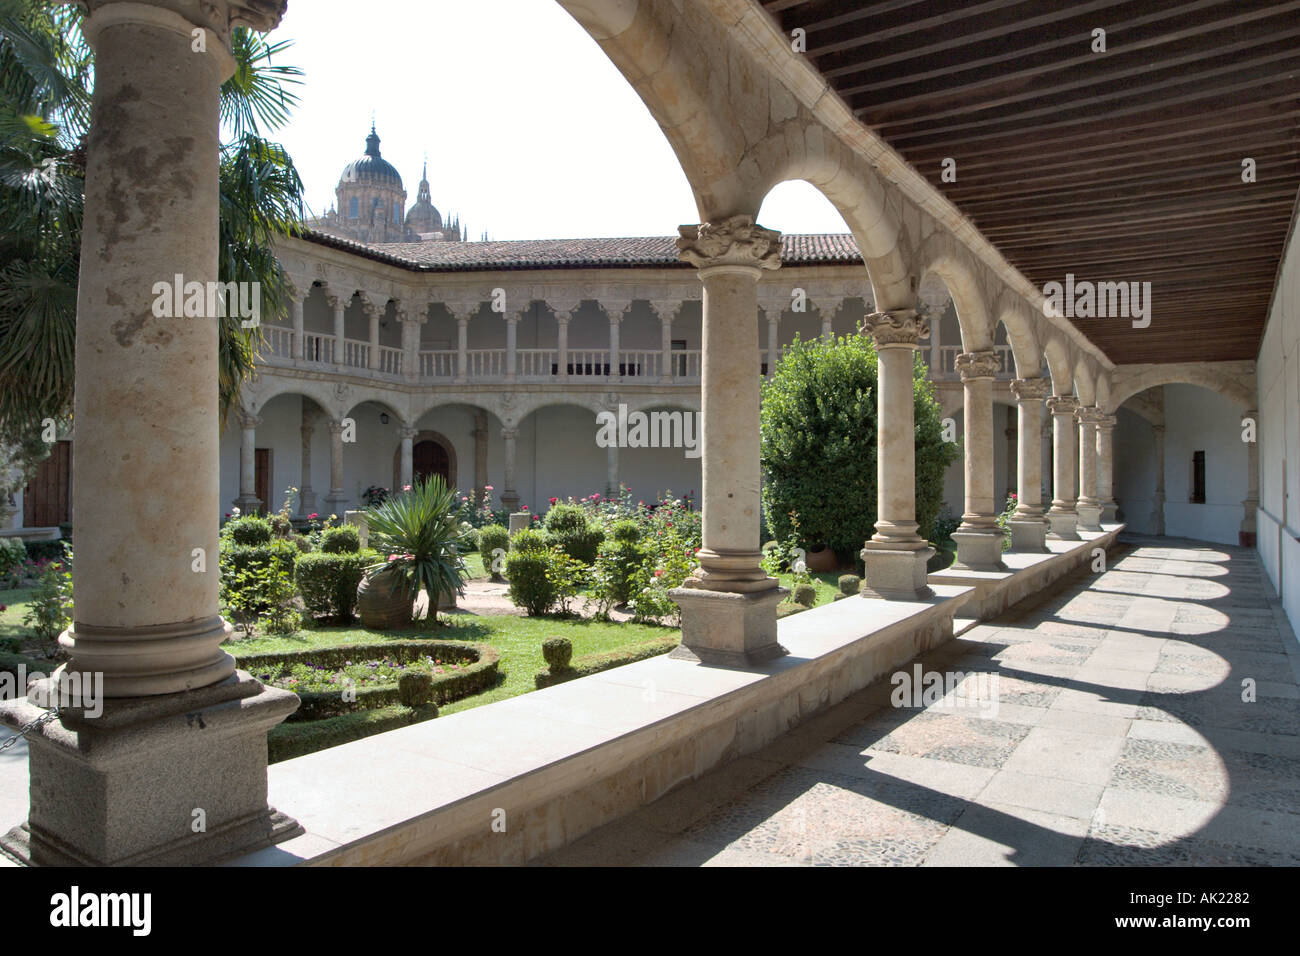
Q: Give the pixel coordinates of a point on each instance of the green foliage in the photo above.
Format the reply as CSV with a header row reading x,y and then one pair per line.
x,y
605,660
415,688
328,581
493,538
805,594
530,585
420,531
568,576
945,523
528,539
1004,519
615,571
13,556
558,651
850,584
248,530
670,557
341,540
565,517
257,584
818,429
50,610
581,544
625,529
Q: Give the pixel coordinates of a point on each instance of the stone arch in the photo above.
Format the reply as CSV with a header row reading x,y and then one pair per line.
x,y
1103,391
940,255
1014,315
355,401
259,390
448,446
1083,382
1057,354
1233,380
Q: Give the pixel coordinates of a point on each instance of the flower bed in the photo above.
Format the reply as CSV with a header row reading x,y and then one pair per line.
x,y
339,680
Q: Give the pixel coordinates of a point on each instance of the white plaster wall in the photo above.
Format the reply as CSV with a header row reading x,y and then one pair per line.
x,y
1134,471
1198,419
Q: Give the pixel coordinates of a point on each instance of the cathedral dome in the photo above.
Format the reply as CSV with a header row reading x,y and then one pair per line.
x,y
424,216
371,168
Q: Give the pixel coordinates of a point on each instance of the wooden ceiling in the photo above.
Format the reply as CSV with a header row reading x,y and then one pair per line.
x,y
1122,166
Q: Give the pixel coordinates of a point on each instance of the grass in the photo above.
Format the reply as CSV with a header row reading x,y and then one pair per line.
x,y
16,601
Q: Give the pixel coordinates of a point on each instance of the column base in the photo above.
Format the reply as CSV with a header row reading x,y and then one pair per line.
x,y
1109,512
1089,516
248,504
510,501
178,779
336,504
1029,535
979,550
728,629
1063,525
306,503
896,575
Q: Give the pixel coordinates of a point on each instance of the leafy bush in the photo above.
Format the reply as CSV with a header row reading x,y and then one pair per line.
x,y
281,526
569,577
624,530
617,564
257,581
341,540
819,427
250,530
850,584
528,539
805,594
1004,519
328,581
492,538
50,610
565,517
558,651
420,533
581,544
415,688
530,586
945,523
13,556
670,557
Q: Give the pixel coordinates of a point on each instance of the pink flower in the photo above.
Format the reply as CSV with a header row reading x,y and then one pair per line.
x,y
554,500
406,487
523,508
535,517
659,572
595,497
313,515
487,487
392,557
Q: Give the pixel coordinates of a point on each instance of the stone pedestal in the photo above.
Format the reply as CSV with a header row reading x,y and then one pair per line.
x,y
1029,536
1063,525
896,575
1089,516
520,520
154,781
728,628
359,520
979,550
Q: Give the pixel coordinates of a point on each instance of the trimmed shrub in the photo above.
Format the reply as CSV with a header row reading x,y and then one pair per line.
x,y
491,537
281,526
565,517
530,586
340,540
581,544
13,555
528,539
624,530
415,688
558,651
249,571
617,564
805,594
605,660
45,550
328,581
250,530
850,584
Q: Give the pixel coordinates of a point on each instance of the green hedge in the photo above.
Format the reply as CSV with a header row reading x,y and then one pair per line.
x,y
595,663
581,544
341,540
480,675
289,740
531,588
328,582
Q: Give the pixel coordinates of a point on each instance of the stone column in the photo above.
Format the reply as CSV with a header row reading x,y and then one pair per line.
x,y
372,354
773,339
512,338
295,309
611,470
509,496
248,503
1028,526
462,348
411,322
562,345
339,305
1250,505
895,557
1106,466
729,602
979,539
1062,516
306,496
935,357
666,310
180,728
480,453
336,499
1088,507
407,471
615,313
1012,434
1158,500
827,307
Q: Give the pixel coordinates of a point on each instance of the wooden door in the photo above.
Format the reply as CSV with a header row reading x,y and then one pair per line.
x,y
47,500
430,458
262,477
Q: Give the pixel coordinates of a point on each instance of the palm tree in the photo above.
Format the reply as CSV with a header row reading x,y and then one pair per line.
x,y
45,79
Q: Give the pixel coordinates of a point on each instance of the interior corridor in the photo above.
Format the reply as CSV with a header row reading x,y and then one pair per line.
x,y
1145,715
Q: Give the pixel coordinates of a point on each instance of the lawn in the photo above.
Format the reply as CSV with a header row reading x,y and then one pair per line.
x,y
16,602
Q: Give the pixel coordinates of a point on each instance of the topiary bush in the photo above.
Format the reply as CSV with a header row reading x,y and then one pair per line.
x,y
805,594
617,564
850,584
565,517
492,537
328,581
528,539
818,425
530,585
250,530
340,540
624,530
415,688
557,651
581,544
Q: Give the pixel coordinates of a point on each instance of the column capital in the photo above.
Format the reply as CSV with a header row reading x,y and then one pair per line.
x,y
897,328
406,432
978,366
1107,421
563,316
369,308
1089,415
827,305
418,318
665,309
335,301
615,308
336,427
1030,389
736,242
509,434
1062,405
219,17
248,419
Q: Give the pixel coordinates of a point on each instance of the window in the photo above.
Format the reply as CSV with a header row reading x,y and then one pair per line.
x,y
1198,478
679,361
352,208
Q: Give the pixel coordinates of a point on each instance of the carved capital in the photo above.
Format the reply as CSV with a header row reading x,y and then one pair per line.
x,y
335,302
248,419
1107,421
1030,389
1089,415
509,434
562,317
666,309
974,366
615,308
406,433
827,307
335,427
737,241
1063,405
899,328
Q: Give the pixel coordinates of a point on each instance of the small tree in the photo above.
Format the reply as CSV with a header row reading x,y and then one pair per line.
x,y
819,445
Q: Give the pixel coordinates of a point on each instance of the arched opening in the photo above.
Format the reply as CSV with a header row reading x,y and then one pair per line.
x,y
432,453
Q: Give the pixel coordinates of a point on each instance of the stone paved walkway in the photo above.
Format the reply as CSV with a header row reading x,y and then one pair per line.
x,y
1120,737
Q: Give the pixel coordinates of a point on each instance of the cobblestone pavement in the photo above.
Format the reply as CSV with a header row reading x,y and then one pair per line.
x,y
1148,715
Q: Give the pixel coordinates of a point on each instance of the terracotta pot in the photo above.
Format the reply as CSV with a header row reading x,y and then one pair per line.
x,y
382,607
822,561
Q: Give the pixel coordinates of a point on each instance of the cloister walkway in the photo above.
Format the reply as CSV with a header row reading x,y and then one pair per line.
x,y
1122,734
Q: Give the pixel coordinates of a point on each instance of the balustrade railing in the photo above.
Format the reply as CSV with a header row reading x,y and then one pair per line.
x,y
438,363
390,360
356,354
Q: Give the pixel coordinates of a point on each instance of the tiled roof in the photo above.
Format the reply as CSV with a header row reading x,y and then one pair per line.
x,y
639,251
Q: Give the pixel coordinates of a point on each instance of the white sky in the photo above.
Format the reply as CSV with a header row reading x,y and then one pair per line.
x,y
531,132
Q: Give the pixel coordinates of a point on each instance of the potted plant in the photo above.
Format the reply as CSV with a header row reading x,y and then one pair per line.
x,y
418,531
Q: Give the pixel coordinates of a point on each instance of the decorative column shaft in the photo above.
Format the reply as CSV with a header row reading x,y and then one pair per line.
x,y
336,499
979,539
411,323
1250,505
895,557
615,313
1088,507
665,310
372,354
773,340
729,602
509,496
339,305
1062,516
306,496
1106,467
295,310
562,351
1028,526
512,339
248,502
480,453
611,470
827,307
462,349
406,472
1158,501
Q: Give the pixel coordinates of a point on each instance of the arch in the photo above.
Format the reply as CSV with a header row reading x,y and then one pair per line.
x,y
258,391
940,255
1233,380
1057,354
1103,391
1083,382
1014,315
438,438
353,403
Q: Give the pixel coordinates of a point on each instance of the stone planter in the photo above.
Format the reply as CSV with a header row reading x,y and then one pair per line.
x,y
822,561
382,607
